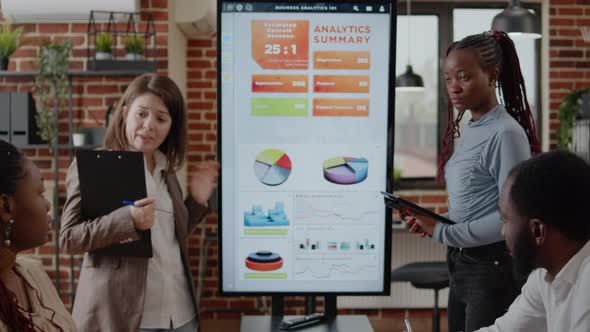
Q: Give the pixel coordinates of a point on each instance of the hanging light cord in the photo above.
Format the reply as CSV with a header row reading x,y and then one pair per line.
x,y
408,11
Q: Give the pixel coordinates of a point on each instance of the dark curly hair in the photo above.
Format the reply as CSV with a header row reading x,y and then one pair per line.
x,y
554,187
12,169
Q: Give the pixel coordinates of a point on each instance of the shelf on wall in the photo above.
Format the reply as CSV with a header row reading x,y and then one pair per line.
x,y
122,65
140,40
8,73
59,146
32,146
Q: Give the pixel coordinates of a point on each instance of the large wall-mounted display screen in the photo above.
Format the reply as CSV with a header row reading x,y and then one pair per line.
x,y
305,142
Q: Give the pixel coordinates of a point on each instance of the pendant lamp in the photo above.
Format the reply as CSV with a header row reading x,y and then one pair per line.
x,y
409,81
517,22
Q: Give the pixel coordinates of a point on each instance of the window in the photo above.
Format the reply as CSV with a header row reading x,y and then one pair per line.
x,y
421,118
416,115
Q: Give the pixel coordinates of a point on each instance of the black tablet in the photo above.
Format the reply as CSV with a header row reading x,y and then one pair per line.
x,y
398,203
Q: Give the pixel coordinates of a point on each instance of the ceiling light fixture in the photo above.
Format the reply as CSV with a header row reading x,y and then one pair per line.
x,y
409,81
517,22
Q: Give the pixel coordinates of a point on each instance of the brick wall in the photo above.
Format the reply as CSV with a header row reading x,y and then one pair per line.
x,y
569,55
91,98
569,60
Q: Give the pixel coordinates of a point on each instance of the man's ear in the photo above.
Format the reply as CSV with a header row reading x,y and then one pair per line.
x,y
538,230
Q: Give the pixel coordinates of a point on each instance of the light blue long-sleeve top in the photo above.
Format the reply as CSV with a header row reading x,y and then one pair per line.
x,y
486,152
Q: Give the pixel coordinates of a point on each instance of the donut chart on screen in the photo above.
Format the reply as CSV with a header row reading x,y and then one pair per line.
x,y
346,170
264,261
272,167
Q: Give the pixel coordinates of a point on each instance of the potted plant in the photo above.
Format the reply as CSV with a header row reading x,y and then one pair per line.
x,y
134,47
94,134
9,42
104,46
51,87
78,137
569,109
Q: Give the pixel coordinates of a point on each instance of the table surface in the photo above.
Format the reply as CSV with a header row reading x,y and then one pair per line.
x,y
342,323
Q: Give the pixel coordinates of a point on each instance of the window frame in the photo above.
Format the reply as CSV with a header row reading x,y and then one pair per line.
x,y
444,11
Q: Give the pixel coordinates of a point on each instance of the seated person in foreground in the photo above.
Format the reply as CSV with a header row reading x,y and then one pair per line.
x,y
28,299
544,208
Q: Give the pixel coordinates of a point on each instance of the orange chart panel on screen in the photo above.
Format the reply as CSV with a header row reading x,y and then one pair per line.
x,y
341,83
340,107
280,44
279,83
341,60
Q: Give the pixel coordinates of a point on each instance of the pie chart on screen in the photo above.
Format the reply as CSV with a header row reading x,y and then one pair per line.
x,y
346,170
272,167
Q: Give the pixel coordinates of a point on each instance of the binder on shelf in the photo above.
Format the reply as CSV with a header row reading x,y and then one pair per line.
x,y
17,119
400,204
107,178
23,126
5,116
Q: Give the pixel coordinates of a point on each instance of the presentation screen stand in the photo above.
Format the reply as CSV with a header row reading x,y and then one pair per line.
x,y
331,322
278,305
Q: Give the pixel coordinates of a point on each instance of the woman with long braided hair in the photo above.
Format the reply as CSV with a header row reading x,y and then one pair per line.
x,y
496,138
28,300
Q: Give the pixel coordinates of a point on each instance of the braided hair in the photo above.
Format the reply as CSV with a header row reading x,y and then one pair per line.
x,y
495,50
12,169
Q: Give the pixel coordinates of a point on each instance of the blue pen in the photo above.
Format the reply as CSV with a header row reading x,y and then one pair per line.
x,y
131,203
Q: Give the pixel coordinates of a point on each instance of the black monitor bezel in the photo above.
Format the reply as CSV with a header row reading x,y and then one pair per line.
x,y
390,145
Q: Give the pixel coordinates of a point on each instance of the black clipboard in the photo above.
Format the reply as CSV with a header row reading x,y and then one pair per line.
x,y
398,203
107,178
